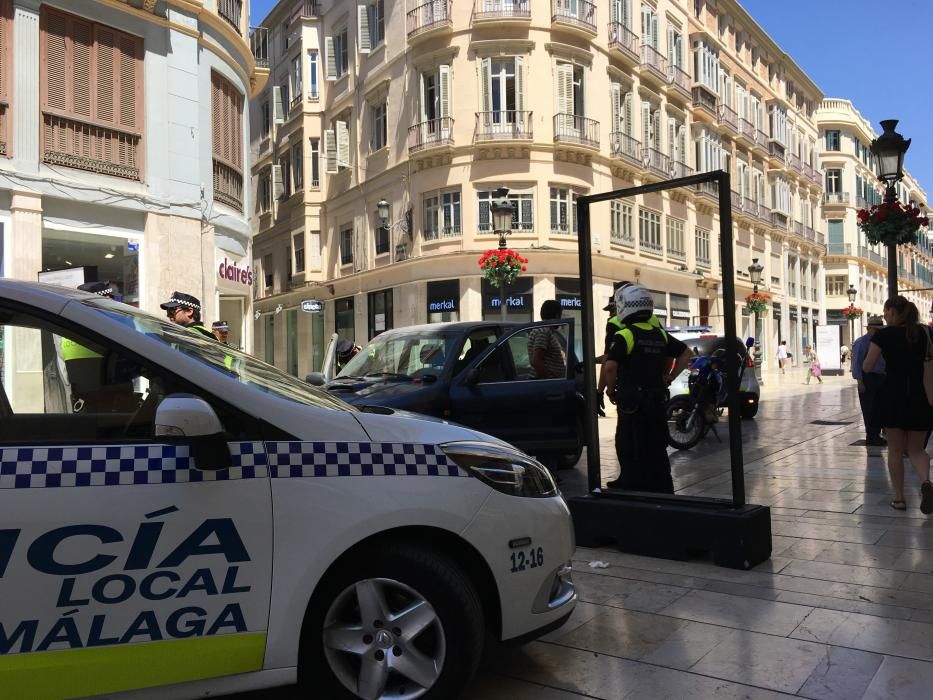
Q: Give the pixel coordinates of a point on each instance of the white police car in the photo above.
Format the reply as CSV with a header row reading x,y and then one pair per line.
x,y
178,519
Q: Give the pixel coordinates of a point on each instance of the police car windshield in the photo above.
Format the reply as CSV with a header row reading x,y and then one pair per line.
x,y
223,358
411,353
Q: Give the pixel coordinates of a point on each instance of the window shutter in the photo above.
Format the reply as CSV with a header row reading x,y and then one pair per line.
x,y
656,129
80,60
616,106
654,30
671,139
519,84
443,72
129,73
105,76
486,80
614,11
55,87
627,13
343,144
278,108
627,114
670,47
682,142
330,151
278,186
362,25
565,94
331,58
646,124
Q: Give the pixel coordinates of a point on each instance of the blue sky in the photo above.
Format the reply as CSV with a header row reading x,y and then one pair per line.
x,y
843,46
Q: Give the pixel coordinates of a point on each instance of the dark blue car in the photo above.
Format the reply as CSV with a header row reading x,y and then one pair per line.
x,y
478,374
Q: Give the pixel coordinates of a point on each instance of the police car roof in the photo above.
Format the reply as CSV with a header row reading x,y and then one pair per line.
x,y
46,296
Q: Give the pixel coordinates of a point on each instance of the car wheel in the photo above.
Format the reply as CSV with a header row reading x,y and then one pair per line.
x,y
399,622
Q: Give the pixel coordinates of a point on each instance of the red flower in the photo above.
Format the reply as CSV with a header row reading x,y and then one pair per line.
x,y
524,268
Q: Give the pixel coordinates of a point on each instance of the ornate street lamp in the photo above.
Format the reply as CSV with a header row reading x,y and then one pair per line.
x,y
889,150
852,292
382,211
501,210
754,273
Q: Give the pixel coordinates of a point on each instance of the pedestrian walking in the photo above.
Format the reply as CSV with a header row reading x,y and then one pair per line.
x,y
869,382
814,370
904,411
642,362
782,355
185,310
546,346
844,353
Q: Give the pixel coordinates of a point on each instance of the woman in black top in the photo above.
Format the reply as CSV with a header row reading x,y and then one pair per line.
x,y
902,405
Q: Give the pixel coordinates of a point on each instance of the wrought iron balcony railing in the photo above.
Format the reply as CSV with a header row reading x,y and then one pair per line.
x,y
87,146
430,15
579,13
657,162
623,39
231,11
503,125
728,116
574,128
679,79
835,197
429,134
624,146
501,9
654,61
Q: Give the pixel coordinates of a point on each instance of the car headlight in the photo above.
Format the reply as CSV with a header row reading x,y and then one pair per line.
x,y
505,469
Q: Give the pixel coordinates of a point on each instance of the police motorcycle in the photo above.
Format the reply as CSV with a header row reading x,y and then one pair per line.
x,y
691,416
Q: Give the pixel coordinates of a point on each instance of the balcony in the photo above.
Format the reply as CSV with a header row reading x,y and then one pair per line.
x,y
657,162
508,125
679,169
798,228
761,140
574,129
776,151
736,198
704,100
501,10
429,18
654,62
861,202
835,198
623,146
623,40
259,45
679,80
764,214
231,11
728,117
577,14
794,162
815,177
307,8
779,220
747,130
708,189
431,134
228,185
87,146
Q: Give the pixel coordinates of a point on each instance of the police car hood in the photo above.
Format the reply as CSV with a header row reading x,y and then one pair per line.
x,y
402,426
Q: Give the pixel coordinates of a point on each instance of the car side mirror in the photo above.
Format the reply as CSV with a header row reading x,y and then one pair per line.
x,y
316,379
472,377
749,342
186,419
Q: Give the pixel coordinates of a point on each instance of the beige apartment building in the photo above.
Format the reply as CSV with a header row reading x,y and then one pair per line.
x,y
424,109
851,184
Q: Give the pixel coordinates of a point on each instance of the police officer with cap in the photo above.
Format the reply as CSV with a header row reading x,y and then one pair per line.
x,y
641,364
221,330
346,350
185,310
85,367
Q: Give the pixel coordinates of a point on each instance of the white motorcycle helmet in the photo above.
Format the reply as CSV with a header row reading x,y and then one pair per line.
x,y
632,299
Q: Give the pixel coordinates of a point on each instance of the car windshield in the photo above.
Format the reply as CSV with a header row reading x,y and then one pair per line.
x,y
220,357
414,353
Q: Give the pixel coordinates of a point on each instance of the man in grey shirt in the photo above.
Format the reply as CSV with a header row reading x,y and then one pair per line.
x,y
869,383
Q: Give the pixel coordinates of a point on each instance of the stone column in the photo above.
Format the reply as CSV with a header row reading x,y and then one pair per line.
x,y
23,350
26,114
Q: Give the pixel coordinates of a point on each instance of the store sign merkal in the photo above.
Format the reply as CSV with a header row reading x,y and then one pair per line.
x,y
312,306
230,271
569,301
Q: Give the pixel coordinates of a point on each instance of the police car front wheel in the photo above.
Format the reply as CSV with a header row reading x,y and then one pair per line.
x,y
400,623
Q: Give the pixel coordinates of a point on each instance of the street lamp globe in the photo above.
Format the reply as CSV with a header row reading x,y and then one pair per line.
x,y
852,292
889,150
501,210
754,272
382,211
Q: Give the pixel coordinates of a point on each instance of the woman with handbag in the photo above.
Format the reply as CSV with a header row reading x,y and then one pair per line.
x,y
903,407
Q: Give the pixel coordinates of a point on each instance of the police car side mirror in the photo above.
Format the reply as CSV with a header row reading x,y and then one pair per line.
x,y
185,419
749,342
316,379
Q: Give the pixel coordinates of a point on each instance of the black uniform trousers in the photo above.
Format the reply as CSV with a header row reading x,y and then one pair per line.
x,y
868,400
641,446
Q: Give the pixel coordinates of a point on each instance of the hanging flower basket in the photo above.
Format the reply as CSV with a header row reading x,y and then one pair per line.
x,y
891,222
757,303
851,312
502,266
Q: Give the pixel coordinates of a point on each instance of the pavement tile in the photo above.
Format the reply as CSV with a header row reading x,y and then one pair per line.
x,y
869,633
848,605
842,674
738,612
846,573
624,633
491,686
901,679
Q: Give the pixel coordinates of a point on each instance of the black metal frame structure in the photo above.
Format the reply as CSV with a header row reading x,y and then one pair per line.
x,y
738,535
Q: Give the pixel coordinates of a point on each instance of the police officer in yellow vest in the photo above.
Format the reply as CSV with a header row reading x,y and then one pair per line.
x,y
641,364
84,366
185,310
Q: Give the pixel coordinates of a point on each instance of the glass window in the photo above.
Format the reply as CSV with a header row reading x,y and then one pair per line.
x,y
299,243
344,319
379,134
298,165
70,258
833,180
291,341
376,12
649,230
268,270
380,312
317,342
346,244
443,300
474,346
620,219
312,75
563,211
268,324
833,140
431,210
701,240
315,163
409,353
675,237
341,52
522,211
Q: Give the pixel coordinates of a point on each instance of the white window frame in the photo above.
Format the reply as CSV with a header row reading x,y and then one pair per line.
x,y
676,241
298,248
563,211
621,222
298,175
524,211
314,92
378,121
649,231
346,244
314,149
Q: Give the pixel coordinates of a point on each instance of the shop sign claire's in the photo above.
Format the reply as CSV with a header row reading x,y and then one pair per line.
x,y
232,272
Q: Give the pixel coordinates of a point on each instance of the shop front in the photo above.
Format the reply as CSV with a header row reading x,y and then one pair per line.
x,y
519,301
660,306
443,301
71,258
571,306
234,279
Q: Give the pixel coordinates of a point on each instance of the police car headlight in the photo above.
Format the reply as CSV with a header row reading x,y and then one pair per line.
x,y
506,470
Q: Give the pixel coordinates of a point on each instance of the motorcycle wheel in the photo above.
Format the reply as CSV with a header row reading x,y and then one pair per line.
x,y
686,425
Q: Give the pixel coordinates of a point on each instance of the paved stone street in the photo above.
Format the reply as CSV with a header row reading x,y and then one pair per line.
x,y
843,610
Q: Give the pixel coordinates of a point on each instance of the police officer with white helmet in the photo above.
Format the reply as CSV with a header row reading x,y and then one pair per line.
x,y
643,361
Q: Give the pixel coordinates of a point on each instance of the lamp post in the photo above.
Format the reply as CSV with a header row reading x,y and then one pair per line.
x,y
889,150
852,292
754,273
501,210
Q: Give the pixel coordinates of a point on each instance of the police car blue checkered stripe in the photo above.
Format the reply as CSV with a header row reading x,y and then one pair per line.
x,y
320,459
116,465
